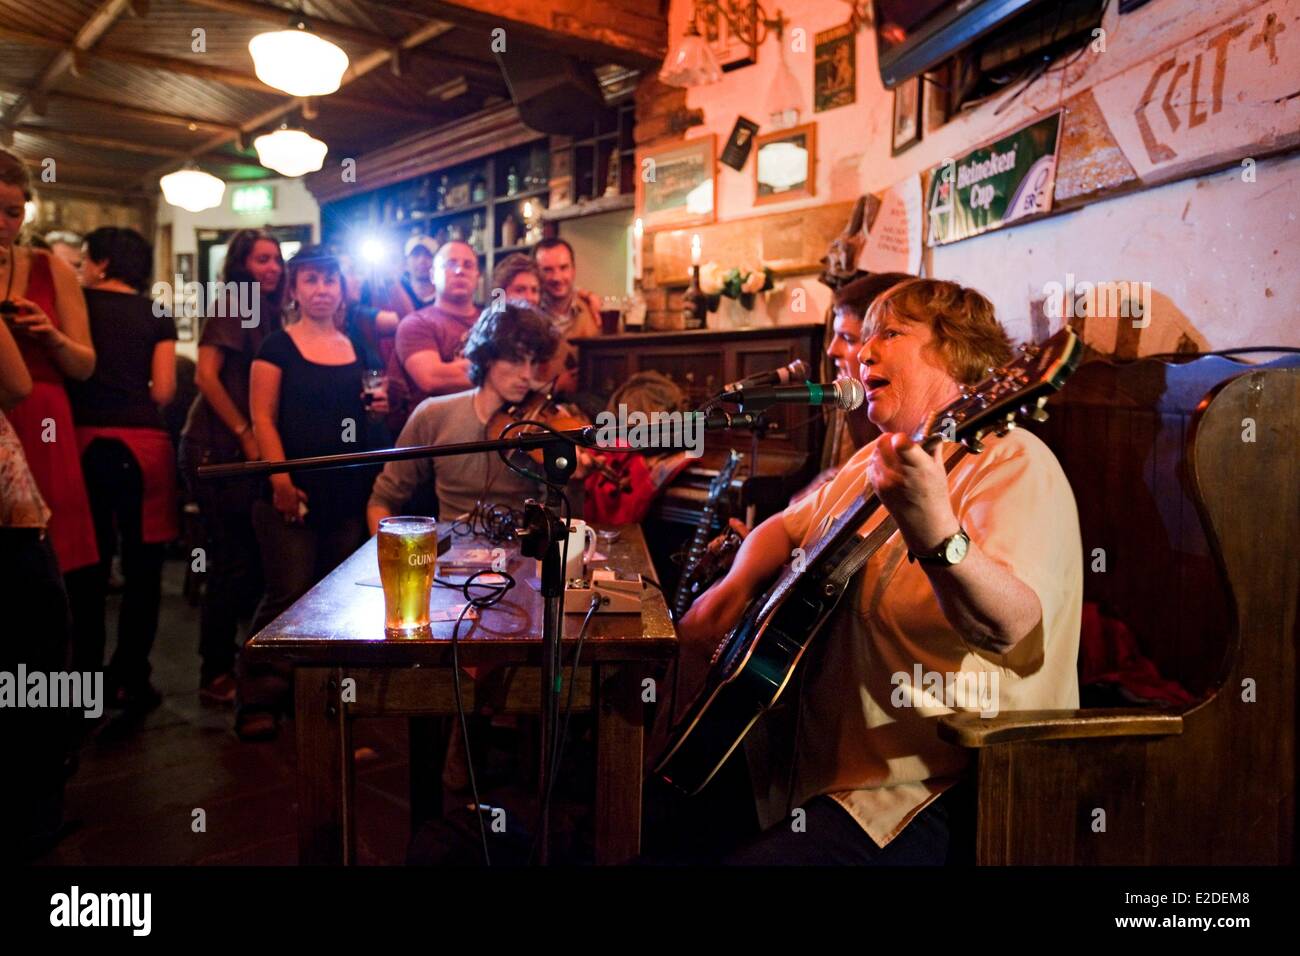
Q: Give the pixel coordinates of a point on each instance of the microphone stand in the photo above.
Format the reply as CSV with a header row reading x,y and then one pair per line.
x,y
543,536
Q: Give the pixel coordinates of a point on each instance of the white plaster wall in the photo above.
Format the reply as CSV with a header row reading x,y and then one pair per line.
x,y
294,206
1214,248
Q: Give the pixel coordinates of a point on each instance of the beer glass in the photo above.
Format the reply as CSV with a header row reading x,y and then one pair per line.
x,y
408,548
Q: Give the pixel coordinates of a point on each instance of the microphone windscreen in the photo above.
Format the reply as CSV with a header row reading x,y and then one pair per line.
x,y
851,393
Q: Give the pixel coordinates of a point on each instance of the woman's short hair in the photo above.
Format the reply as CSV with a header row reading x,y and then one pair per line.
x,y
857,296
14,172
512,266
967,334
240,247
511,329
128,255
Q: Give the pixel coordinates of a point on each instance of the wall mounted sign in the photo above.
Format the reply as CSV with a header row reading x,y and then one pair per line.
x,y
252,199
835,73
907,115
994,185
730,49
675,183
739,143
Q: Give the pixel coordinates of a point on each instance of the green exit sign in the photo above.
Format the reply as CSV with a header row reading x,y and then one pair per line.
x,y
252,199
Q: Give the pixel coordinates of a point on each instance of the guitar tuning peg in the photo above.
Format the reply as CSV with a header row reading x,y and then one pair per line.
x,y
973,444
1036,411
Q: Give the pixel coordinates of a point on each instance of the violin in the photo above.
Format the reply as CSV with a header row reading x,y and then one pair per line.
x,y
541,406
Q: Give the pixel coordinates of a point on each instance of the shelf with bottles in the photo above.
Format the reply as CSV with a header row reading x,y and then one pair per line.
x,y
521,172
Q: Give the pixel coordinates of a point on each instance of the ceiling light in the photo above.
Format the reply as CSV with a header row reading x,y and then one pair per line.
x,y
290,152
192,189
298,61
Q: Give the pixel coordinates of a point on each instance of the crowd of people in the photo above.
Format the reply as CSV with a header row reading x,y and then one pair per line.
x,y
337,361
334,361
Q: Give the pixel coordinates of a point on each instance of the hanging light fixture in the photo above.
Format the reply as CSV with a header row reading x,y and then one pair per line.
x,y
193,189
690,61
784,97
290,152
298,61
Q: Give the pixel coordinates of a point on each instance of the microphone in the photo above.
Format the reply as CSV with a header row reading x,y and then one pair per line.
x,y
847,393
796,371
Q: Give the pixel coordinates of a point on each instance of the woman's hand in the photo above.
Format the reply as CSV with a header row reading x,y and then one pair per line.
x,y
287,498
378,406
32,321
912,485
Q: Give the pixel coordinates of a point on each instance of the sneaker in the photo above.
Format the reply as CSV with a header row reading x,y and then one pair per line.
x,y
220,691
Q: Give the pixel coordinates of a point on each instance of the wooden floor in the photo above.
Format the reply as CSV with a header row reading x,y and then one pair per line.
x,y
134,795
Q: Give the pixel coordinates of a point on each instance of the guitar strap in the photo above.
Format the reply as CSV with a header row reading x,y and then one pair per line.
x,y
869,545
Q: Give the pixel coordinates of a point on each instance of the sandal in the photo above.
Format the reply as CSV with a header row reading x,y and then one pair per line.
x,y
258,725
220,691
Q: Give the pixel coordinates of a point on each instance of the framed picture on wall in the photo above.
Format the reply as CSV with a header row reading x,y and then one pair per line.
x,y
675,185
786,164
907,115
732,51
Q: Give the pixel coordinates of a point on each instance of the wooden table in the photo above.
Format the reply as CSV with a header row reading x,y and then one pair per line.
x,y
345,668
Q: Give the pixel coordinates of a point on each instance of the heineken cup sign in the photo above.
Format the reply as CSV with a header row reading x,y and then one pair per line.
x,y
994,185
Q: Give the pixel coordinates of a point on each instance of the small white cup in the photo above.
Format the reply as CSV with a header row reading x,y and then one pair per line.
x,y
582,545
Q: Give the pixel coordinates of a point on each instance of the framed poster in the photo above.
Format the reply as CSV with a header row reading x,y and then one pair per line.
x,y
835,74
907,115
675,183
786,167
732,51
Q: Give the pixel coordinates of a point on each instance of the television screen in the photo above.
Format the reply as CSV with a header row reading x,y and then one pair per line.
x,y
913,36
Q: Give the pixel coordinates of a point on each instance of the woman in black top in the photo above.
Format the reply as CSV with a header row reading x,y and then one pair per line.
x,y
126,455
218,431
305,399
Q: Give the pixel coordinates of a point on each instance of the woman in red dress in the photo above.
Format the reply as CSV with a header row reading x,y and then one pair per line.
x,y
46,311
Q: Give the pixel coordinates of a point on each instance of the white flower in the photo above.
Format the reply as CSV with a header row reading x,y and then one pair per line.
x,y
710,278
755,282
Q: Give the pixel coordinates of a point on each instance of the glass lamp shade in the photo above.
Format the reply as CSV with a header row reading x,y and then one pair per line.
x,y
690,62
298,62
784,97
192,189
290,152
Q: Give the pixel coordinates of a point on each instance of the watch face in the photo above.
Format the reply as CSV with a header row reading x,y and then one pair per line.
x,y
956,548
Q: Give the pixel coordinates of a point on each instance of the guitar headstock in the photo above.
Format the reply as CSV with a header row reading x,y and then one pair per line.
x,y
723,478
1017,390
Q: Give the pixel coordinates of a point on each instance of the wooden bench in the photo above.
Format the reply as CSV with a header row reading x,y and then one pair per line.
x,y
1199,530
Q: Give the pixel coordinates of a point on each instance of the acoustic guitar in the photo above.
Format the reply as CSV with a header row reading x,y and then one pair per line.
x,y
757,659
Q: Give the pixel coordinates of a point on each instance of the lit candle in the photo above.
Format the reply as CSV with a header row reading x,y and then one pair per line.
x,y
695,249
638,236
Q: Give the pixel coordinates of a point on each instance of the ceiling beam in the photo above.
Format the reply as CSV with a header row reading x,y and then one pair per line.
x,y
359,68
112,108
211,73
97,24
88,139
615,31
331,29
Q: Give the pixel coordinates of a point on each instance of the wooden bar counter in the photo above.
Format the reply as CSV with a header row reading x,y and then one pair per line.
x,y
345,668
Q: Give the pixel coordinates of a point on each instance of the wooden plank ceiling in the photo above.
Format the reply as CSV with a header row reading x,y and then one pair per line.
x,y
115,92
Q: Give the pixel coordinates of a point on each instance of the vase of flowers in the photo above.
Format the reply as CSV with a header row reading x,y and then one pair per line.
x,y
732,293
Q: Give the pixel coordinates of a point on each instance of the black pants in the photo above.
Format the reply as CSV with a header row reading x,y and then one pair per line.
x,y
942,833
34,742
295,557
231,561
116,489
